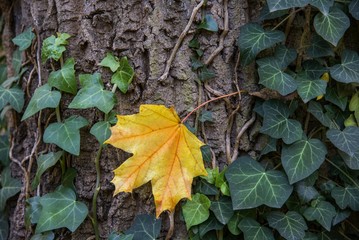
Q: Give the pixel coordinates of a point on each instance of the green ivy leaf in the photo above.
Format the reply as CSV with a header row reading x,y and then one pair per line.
x,y
206,153
319,47
9,187
351,161
251,185
346,140
237,218
206,116
101,131
208,24
111,62
24,39
354,9
53,47
340,217
313,69
253,39
354,102
284,55
265,14
322,5
93,95
16,61
114,236
302,158
33,209
210,224
64,79
276,123
348,70
196,211
290,225
60,209
346,197
309,89
323,213
333,96
145,227
124,75
275,5
310,236
317,111
272,76
271,146
222,209
206,188
66,135
306,193
4,150
43,236
205,74
331,26
4,226
14,96
196,63
43,163
43,98
68,178
253,230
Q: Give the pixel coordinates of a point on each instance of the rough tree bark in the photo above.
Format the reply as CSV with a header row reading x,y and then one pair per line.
x,y
146,32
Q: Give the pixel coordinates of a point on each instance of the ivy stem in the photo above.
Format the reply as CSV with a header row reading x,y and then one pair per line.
x,y
285,19
114,88
344,173
211,100
97,189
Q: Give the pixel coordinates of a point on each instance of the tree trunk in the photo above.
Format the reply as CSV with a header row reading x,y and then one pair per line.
x,y
146,32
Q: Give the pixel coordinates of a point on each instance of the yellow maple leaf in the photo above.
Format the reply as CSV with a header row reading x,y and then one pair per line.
x,y
164,151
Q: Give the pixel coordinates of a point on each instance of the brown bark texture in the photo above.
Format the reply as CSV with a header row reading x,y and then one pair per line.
x,y
145,31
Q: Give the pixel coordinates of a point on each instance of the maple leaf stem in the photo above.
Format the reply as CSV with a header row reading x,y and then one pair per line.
x,y
211,100
172,224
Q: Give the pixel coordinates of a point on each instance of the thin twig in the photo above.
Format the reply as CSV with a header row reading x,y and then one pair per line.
x,y
223,35
343,172
179,41
215,93
38,57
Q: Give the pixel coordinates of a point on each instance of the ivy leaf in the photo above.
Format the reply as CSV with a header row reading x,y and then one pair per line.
x,y
309,89
276,123
351,162
205,74
168,153
24,39
43,236
53,47
323,213
346,197
210,224
253,39
33,209
9,187
43,98
306,193
64,79
346,140
348,70
4,150
60,209
285,55
145,227
237,218
253,230
206,116
101,130
196,210
114,236
14,96
333,96
208,24
93,95
222,209
319,47
206,188
317,111
302,158
16,62
272,76
275,5
68,178
4,226
251,185
331,26
322,5
341,216
206,153
290,225
66,135
313,69
124,75
43,163
354,9
111,62
265,14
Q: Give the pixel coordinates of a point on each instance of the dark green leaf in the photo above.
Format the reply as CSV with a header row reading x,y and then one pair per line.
x,y
319,47
275,5
222,209
194,43
291,225
254,38
114,236
209,24
66,135
3,73
272,76
110,61
101,130
206,153
68,178
221,183
43,98
332,26
206,116
210,224
309,89
253,230
24,39
313,69
4,226
53,47
237,218
145,227
93,95
346,197
354,9
43,236
276,123
351,162
14,96
285,55
302,158
346,140
9,187
332,96
206,188
271,146
195,63
306,193
64,79
60,209
348,70
196,211
4,150
322,5
16,61
43,163
317,111
251,185
310,236
124,75
341,216
265,14
205,74
33,209
323,213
